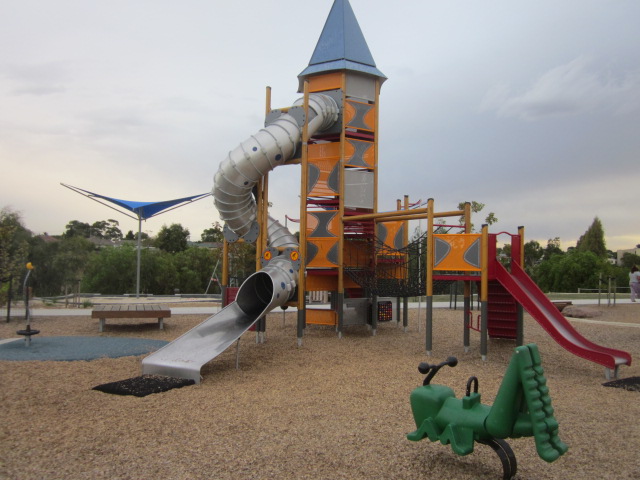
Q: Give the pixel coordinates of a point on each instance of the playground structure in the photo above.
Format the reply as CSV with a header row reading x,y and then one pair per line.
x,y
522,408
346,246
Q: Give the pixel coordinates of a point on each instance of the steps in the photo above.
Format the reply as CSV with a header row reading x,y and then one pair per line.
x,y
502,312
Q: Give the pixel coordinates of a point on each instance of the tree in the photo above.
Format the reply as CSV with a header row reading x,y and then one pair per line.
x,y
476,207
552,248
593,240
573,270
111,271
172,239
76,228
242,260
629,260
134,236
59,264
70,261
107,229
14,247
194,268
213,234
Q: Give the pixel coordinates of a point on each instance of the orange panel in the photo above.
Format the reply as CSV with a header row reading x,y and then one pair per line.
x,y
322,252
392,270
323,224
329,283
391,233
322,173
330,81
321,317
366,155
360,115
324,150
458,252
318,283
357,254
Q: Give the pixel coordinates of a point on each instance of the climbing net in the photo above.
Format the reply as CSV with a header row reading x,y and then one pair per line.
x,y
395,272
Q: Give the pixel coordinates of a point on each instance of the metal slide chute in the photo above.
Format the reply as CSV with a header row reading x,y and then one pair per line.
x,y
275,284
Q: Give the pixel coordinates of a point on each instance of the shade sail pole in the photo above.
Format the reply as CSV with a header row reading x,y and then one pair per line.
x,y
138,263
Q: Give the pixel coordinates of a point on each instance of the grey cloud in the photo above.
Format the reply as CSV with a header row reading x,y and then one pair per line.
x,y
574,88
38,90
37,79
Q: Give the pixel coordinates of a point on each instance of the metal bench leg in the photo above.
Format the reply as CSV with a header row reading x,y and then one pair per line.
x,y
161,323
102,322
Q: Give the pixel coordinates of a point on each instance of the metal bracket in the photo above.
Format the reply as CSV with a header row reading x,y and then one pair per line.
x,y
293,255
229,235
268,255
252,235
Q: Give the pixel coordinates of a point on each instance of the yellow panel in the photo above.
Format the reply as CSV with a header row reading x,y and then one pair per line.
x,y
459,244
321,317
330,81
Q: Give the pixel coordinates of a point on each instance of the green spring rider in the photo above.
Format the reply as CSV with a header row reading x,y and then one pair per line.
x,y
522,408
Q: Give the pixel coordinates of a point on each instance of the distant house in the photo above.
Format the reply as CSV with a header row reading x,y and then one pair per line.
x,y
46,238
620,253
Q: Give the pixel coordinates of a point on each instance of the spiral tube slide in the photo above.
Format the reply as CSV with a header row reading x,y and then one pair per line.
x,y
275,284
233,187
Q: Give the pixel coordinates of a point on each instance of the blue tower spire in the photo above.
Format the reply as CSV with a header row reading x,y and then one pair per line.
x,y
341,45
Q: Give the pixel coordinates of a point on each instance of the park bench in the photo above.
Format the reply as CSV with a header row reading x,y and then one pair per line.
x,y
103,312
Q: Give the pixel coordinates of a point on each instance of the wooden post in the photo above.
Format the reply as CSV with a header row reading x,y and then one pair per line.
x,y
467,285
343,141
304,174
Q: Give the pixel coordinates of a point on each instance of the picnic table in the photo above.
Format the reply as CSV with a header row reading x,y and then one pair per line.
x,y
103,312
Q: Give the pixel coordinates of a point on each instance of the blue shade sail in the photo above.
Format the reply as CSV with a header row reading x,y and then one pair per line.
x,y
142,210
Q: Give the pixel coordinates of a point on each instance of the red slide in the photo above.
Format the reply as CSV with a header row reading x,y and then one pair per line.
x,y
527,293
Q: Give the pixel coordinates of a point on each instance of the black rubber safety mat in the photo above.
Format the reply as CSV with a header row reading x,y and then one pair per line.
x,y
144,385
631,383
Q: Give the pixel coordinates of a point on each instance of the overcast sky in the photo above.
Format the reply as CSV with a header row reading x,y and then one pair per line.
x,y
530,107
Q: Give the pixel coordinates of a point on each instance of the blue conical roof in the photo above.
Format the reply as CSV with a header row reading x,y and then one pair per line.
x,y
341,45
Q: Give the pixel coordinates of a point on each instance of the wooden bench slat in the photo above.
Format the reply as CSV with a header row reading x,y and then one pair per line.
x,y
130,311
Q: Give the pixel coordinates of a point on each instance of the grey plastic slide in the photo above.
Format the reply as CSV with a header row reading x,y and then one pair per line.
x,y
275,284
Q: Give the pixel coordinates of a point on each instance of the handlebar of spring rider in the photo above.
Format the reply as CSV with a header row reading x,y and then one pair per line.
x,y
431,370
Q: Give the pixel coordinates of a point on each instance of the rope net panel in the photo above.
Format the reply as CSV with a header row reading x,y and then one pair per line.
x,y
395,272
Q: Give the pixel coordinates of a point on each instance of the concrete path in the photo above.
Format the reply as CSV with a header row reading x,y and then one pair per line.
x,y
17,313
